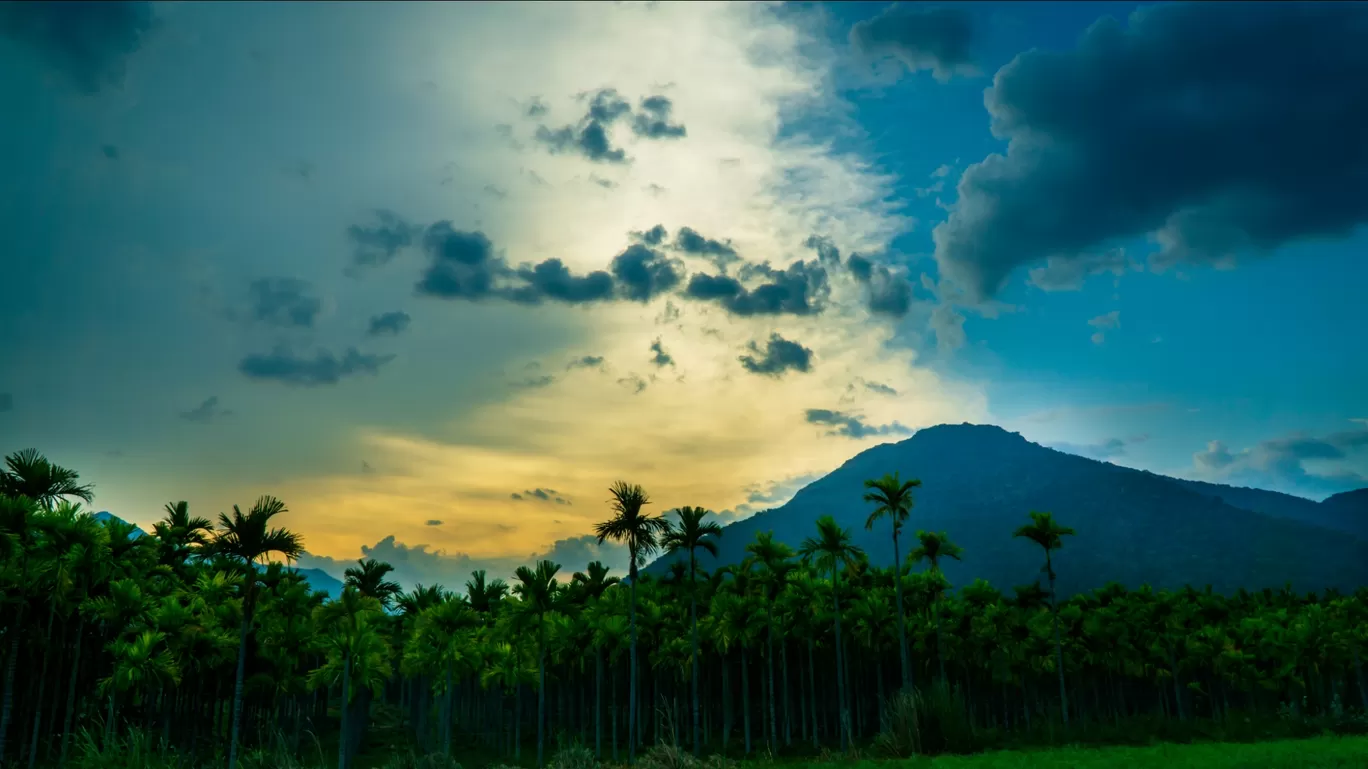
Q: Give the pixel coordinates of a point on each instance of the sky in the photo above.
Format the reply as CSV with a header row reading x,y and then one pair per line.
x,y
437,275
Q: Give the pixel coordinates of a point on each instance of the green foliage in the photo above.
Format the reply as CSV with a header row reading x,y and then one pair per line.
x,y
928,721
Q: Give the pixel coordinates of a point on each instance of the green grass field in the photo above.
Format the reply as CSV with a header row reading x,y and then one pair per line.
x,y
1318,753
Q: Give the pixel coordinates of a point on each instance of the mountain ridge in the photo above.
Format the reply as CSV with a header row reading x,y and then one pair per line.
x,y
1134,526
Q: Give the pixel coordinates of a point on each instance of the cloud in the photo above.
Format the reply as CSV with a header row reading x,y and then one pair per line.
x,y
539,494
799,289
1069,274
206,412
935,39
283,302
590,137
1303,462
880,388
660,358
652,237
851,426
887,293
690,242
779,355
389,323
653,120
587,361
1133,133
1103,323
324,368
433,522
379,243
643,274
947,324
1108,449
88,43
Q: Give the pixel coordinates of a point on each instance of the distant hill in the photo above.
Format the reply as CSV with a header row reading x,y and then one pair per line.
x,y
1347,512
1134,527
317,578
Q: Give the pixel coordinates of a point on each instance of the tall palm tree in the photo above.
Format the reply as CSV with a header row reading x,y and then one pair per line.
x,y
932,547
349,622
368,577
538,592
641,534
181,534
29,474
1043,531
591,584
773,558
892,498
245,539
831,550
691,535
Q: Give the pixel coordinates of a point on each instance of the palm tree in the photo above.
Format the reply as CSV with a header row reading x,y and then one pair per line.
x,y
29,474
180,534
246,538
691,535
1043,531
538,592
641,534
18,519
932,548
348,621
775,566
831,550
893,499
369,579
591,584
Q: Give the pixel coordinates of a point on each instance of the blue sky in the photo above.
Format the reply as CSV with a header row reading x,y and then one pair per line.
x,y
364,258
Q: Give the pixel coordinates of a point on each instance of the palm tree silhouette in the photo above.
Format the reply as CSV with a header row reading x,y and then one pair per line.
x,y
691,535
539,596
1043,531
831,550
932,548
893,499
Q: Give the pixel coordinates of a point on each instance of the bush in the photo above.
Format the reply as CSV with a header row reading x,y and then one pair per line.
x,y
926,722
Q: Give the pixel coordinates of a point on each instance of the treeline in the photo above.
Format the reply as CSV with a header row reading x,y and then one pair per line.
x,y
198,635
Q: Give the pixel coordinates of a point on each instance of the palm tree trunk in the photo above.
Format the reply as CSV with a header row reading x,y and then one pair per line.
x,y
745,697
632,672
812,690
598,704
940,637
541,705
788,721
237,685
1358,675
1059,645
446,711
844,710
693,651
42,688
903,654
343,739
727,718
769,673
71,693
11,664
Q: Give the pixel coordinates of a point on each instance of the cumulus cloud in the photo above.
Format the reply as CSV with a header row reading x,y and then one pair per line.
x,y
324,368
852,426
586,361
935,39
689,241
1132,133
89,44
389,323
378,243
1104,323
1108,449
1069,274
799,289
283,302
660,358
778,356
206,412
1299,463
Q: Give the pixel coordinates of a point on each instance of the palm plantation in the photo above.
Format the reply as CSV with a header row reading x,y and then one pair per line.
x,y
892,499
201,642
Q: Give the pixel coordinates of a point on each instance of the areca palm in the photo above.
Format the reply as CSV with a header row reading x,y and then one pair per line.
x,y
29,474
245,539
892,498
831,550
691,535
1049,535
932,547
180,533
349,621
368,577
591,585
641,534
773,558
18,516
537,590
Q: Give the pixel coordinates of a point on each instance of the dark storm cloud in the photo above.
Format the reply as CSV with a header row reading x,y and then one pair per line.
x,y
643,274
800,289
1215,145
88,43
379,243
936,39
659,357
779,355
206,412
851,426
389,323
690,242
323,368
653,120
283,302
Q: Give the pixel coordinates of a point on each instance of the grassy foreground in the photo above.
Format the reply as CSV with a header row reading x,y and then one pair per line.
x,y
1316,753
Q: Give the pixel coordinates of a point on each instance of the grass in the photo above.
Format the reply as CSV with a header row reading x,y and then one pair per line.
x,y
1315,753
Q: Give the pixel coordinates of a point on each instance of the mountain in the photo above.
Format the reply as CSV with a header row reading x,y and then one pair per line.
x,y
1134,527
318,579
1347,512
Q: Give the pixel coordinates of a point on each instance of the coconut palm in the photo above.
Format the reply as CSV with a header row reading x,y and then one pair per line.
x,y
641,534
1043,531
245,539
892,498
368,577
538,597
932,547
690,535
831,550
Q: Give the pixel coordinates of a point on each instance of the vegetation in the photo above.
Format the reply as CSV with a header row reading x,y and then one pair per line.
x,y
197,641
